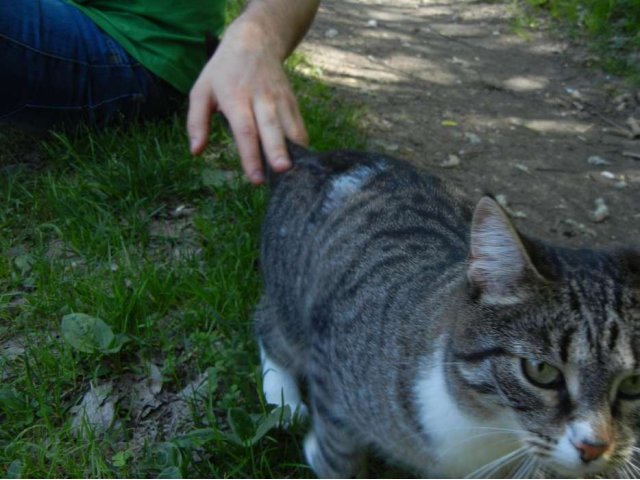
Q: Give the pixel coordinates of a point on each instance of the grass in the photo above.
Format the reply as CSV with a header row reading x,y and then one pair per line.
x,y
151,256
611,27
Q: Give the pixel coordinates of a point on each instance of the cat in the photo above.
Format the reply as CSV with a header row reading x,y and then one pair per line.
x,y
434,334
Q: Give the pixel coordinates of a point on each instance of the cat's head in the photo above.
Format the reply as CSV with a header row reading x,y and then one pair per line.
x,y
550,338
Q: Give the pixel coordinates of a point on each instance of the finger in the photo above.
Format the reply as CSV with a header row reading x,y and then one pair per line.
x,y
245,133
201,106
293,124
272,135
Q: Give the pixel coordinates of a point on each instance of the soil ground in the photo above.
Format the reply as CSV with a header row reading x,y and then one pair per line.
x,y
455,87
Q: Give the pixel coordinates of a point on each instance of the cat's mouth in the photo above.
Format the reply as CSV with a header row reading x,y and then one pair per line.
x,y
555,462
551,466
554,469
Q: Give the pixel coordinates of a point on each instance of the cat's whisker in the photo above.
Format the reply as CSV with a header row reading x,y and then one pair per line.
x,y
473,428
500,466
628,471
488,469
497,429
481,432
534,473
632,465
528,468
635,453
505,440
515,470
521,467
621,472
507,433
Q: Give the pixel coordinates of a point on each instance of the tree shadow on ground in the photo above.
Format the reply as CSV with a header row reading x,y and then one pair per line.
x,y
456,87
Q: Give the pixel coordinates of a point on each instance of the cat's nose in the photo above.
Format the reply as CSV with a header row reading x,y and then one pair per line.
x,y
591,449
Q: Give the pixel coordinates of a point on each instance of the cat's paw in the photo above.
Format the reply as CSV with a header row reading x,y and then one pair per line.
x,y
312,453
280,388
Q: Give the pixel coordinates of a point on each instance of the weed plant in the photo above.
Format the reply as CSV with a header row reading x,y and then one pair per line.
x,y
613,26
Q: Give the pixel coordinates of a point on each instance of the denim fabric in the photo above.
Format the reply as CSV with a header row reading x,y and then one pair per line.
x,y
58,67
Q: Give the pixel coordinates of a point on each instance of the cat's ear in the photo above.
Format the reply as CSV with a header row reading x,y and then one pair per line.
x,y
499,265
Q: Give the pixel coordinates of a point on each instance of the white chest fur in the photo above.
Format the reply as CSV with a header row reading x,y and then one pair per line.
x,y
463,446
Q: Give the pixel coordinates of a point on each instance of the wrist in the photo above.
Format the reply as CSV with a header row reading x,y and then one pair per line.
x,y
255,34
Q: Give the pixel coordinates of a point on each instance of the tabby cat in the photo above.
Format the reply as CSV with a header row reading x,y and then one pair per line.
x,y
437,335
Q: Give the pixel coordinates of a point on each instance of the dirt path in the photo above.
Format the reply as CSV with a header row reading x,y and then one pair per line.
x,y
449,85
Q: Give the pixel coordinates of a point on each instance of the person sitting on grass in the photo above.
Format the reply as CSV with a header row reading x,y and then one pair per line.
x,y
96,61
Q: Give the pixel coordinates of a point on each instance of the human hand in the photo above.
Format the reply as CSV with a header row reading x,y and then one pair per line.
x,y
245,80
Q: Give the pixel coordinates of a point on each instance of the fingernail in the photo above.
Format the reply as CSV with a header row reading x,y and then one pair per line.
x,y
281,162
257,177
192,144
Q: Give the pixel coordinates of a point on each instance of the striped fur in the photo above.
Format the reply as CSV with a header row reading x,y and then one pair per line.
x,y
410,317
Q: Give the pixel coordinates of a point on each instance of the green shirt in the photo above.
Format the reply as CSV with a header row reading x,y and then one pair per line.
x,y
166,36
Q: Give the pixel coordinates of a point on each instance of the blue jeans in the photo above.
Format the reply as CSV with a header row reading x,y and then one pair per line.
x,y
58,68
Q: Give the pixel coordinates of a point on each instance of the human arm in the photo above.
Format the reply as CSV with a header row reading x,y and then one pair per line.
x,y
245,80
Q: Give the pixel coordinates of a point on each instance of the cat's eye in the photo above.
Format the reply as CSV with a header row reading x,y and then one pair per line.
x,y
629,388
541,374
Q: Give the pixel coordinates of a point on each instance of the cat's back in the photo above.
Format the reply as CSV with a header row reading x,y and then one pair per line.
x,y
342,225
335,184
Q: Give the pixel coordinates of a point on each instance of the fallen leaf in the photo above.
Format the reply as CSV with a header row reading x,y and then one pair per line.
x,y
14,470
86,333
145,393
217,178
12,348
96,412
